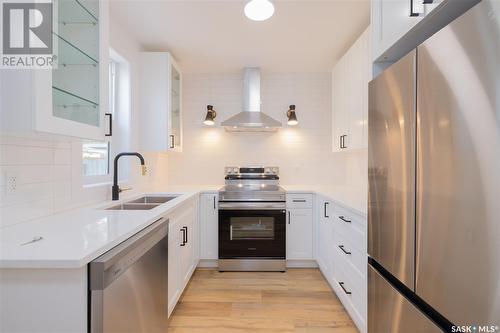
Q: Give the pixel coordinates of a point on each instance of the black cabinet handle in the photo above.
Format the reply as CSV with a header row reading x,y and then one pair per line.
x,y
326,209
110,130
342,141
186,234
289,217
172,142
412,2
299,200
183,236
345,290
215,207
343,250
344,219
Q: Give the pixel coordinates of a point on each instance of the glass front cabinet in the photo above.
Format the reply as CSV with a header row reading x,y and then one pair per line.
x,y
161,102
71,98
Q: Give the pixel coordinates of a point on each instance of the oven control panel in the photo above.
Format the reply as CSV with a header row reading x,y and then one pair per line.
x,y
268,170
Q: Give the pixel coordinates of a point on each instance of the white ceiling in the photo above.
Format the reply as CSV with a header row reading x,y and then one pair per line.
x,y
208,36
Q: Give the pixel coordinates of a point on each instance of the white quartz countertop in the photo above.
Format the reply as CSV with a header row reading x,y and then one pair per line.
x,y
73,238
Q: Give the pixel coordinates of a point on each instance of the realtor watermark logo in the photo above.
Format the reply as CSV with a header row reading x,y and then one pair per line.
x,y
475,328
27,34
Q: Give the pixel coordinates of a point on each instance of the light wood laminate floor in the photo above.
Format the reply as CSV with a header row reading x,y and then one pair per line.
x,y
298,301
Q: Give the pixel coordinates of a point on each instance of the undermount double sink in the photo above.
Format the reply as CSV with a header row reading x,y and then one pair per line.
x,y
143,203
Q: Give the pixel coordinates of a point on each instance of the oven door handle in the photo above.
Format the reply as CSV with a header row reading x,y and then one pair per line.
x,y
251,205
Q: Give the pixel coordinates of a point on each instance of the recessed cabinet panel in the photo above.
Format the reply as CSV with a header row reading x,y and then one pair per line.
x,y
299,237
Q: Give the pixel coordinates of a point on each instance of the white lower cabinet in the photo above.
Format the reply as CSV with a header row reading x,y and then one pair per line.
x,y
349,262
342,256
209,225
299,226
324,235
299,234
183,238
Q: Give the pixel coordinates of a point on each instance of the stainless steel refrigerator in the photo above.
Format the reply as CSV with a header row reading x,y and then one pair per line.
x,y
434,170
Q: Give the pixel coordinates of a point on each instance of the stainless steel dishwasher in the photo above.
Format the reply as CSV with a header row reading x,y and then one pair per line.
x,y
128,285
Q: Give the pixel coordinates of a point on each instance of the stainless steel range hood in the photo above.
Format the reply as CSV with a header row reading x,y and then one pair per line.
x,y
251,119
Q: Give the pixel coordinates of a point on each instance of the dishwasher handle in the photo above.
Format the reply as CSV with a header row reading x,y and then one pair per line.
x,y
109,266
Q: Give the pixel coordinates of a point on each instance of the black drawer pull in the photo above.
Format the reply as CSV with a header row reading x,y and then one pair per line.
x,y
344,219
299,200
345,290
343,250
326,210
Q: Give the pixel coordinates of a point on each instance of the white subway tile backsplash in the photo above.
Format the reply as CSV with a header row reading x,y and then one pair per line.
x,y
14,214
62,156
25,155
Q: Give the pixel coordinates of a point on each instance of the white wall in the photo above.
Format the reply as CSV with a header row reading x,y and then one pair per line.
x,y
49,168
303,153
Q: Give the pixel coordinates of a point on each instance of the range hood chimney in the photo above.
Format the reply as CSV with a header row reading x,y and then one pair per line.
x,y
251,119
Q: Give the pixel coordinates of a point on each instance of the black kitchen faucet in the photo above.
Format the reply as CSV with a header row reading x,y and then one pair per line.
x,y
116,189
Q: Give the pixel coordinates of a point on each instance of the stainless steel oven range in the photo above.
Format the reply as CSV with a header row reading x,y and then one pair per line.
x,y
252,220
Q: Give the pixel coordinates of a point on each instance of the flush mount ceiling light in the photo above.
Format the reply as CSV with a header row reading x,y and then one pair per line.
x,y
292,117
259,10
211,114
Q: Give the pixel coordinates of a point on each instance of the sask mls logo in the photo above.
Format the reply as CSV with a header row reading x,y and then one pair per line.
x,y
27,34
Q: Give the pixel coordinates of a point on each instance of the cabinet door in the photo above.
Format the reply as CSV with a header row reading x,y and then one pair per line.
x,y
175,137
188,265
209,226
299,234
339,100
391,20
324,236
73,98
355,59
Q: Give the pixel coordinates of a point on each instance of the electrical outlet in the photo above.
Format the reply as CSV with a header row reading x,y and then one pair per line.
x,y
11,183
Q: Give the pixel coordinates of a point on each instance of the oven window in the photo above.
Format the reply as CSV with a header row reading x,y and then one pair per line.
x,y
251,228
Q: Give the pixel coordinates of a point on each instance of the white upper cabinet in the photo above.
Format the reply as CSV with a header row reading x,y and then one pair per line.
x,y
392,19
161,102
350,79
72,98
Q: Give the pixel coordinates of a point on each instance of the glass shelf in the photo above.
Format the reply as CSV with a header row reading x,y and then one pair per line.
x,y
69,106
69,54
75,12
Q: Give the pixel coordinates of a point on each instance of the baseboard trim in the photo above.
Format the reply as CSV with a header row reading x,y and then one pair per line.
x,y
301,264
213,263
208,263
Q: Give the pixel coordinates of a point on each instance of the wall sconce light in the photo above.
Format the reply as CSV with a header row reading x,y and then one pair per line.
x,y
211,114
292,117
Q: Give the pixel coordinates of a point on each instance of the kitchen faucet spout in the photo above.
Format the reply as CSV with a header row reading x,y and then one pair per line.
x,y
116,189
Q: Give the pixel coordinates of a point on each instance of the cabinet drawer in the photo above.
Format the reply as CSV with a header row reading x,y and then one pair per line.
x,y
351,286
351,253
351,227
299,200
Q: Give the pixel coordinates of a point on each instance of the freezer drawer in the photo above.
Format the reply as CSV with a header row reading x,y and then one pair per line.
x,y
391,169
389,311
458,169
